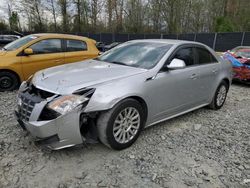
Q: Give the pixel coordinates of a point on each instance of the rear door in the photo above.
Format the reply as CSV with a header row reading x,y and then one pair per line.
x,y
208,72
75,50
46,53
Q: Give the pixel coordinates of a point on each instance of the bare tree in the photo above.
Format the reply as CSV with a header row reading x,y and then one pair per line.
x,y
51,6
64,12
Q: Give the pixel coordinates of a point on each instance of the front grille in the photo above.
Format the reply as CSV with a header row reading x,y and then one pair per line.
x,y
26,108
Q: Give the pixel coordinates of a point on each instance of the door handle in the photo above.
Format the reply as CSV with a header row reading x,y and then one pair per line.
x,y
193,76
214,71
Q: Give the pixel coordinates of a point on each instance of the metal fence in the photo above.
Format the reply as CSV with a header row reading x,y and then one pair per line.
x,y
217,41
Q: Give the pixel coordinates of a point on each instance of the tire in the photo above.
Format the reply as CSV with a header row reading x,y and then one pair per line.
x,y
8,81
112,122
220,96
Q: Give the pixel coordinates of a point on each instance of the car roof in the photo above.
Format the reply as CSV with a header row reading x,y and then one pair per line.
x,y
245,47
167,41
51,35
244,50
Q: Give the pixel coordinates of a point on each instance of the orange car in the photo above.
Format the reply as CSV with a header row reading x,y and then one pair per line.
x,y
25,56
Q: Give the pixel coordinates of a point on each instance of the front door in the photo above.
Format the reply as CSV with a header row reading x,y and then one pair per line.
x,y
175,91
46,53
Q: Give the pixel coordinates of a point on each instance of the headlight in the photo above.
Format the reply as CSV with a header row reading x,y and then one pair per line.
x,y
67,103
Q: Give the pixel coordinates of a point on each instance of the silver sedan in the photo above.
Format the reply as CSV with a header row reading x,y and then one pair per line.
x,y
113,97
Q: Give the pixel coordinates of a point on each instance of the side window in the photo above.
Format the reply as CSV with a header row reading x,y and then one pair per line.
x,y
204,56
75,45
185,54
47,46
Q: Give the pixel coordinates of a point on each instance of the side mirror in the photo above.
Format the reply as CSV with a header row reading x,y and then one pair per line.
x,y
176,64
28,51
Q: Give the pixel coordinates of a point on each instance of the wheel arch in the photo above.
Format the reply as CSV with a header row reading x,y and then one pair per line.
x,y
142,102
13,72
227,82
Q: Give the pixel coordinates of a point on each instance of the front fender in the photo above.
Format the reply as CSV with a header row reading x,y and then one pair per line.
x,y
107,96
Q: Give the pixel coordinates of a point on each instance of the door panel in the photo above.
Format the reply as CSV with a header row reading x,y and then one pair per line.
x,y
209,68
174,91
46,53
71,57
33,63
76,50
208,74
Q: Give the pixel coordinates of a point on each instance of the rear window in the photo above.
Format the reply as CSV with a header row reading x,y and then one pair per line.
x,y
75,45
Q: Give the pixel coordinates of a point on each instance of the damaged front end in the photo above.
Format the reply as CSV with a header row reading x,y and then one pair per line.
x,y
54,120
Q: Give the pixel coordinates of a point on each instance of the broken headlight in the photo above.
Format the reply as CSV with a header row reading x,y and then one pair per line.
x,y
67,103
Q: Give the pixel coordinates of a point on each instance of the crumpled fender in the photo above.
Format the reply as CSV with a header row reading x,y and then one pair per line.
x,y
106,96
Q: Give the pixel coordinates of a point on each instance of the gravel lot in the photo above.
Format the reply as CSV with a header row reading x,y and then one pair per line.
x,y
204,148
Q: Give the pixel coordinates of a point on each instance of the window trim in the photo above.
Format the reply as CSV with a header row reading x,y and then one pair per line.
x,y
195,56
44,53
65,45
167,62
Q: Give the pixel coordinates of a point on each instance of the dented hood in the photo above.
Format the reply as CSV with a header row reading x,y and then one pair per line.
x,y
68,78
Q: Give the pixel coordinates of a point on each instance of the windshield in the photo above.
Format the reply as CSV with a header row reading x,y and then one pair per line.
x,y
19,43
140,54
245,54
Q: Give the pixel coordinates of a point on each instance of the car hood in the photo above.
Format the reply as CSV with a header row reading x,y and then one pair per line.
x,y
68,78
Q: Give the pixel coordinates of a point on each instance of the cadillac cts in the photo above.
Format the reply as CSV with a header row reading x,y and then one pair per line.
x,y
113,97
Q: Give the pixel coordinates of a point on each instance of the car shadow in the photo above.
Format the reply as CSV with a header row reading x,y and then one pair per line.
x,y
241,84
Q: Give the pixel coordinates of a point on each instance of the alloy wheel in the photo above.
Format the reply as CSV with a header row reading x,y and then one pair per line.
x,y
126,125
222,93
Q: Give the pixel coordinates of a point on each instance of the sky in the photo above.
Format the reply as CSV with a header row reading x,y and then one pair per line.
x,y
3,9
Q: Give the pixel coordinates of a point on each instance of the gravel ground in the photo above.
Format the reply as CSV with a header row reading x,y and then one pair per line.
x,y
204,148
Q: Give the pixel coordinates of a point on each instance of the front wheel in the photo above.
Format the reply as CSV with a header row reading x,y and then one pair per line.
x,y
220,96
8,81
120,127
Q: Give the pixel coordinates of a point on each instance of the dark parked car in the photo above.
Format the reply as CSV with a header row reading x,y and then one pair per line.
x,y
5,39
100,46
112,45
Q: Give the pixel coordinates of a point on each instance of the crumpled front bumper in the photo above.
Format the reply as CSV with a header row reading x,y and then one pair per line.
x,y
62,132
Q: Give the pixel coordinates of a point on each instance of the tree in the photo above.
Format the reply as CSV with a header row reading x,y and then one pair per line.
x,y
52,7
223,24
3,25
64,12
14,21
133,16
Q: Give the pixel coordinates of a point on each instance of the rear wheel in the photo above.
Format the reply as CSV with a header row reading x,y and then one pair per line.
x,y
8,81
220,96
120,127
